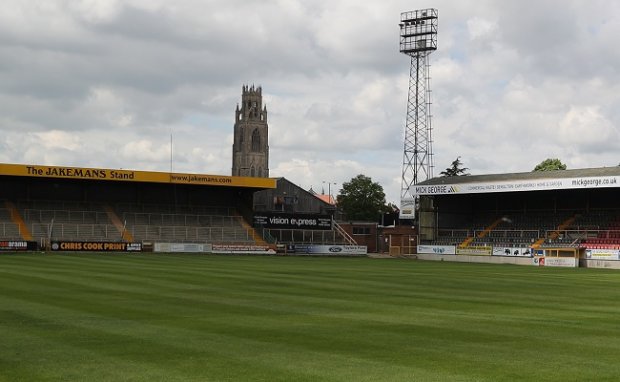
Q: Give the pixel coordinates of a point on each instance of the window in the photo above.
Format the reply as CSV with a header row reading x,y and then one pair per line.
x,y
255,140
361,230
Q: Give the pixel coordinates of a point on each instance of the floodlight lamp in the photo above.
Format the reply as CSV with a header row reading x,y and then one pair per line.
x,y
416,26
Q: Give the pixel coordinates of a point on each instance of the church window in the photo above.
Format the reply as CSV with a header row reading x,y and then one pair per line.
x,y
255,140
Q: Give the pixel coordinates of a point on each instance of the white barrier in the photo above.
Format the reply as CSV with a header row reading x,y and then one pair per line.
x,y
328,249
475,251
613,264
182,247
564,262
602,254
512,251
437,249
477,259
242,249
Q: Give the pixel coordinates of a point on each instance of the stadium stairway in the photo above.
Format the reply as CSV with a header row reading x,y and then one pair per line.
x,y
17,219
482,234
340,231
555,234
255,236
125,234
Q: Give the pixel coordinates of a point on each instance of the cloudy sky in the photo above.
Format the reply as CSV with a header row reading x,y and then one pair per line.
x,y
105,83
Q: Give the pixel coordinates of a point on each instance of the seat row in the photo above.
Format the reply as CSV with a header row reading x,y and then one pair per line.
x,y
50,220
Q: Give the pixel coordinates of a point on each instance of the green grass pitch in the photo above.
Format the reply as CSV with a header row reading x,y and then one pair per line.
x,y
147,317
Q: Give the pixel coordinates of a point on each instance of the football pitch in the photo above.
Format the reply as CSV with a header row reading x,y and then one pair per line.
x,y
147,317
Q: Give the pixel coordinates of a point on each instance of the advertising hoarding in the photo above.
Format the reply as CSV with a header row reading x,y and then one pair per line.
x,y
603,254
563,262
242,249
95,246
512,251
182,248
437,249
293,221
474,251
518,185
18,246
328,249
39,171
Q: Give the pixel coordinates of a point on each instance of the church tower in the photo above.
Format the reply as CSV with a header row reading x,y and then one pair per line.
x,y
250,147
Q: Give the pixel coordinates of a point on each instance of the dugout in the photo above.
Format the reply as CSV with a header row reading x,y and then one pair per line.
x,y
566,213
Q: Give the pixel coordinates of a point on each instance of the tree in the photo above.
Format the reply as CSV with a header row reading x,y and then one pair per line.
x,y
455,169
362,199
550,164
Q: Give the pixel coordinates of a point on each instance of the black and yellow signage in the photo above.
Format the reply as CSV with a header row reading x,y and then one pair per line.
x,y
95,246
133,176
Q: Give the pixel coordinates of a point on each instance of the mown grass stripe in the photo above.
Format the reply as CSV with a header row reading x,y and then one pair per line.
x,y
188,317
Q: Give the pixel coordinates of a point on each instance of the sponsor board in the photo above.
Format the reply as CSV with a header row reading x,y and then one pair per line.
x,y
241,249
14,246
512,251
474,251
182,247
133,176
564,262
328,249
518,185
437,249
95,246
407,209
603,254
293,221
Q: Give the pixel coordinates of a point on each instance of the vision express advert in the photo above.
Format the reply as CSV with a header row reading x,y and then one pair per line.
x,y
293,221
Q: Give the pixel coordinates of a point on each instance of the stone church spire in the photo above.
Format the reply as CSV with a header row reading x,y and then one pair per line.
x,y
250,156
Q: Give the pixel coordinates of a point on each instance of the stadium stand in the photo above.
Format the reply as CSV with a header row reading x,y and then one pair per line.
x,y
556,213
550,228
68,207
63,220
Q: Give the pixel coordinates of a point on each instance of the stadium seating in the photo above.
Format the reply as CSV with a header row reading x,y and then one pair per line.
x,y
594,229
8,229
75,221
184,224
606,238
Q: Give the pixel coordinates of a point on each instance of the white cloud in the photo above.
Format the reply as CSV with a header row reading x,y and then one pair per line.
x,y
584,128
105,83
55,139
95,11
145,150
480,28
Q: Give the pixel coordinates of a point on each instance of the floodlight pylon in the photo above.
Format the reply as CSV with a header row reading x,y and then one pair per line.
x,y
418,39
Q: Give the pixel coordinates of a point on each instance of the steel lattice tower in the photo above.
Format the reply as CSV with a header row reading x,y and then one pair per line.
x,y
418,39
